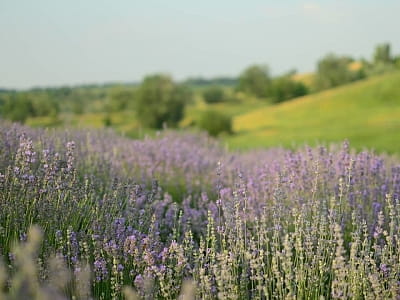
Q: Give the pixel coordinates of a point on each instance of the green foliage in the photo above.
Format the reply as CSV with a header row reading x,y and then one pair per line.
x,y
255,80
107,120
367,113
60,93
396,62
214,94
45,107
382,61
3,101
200,82
284,88
17,108
77,107
215,122
120,99
378,69
333,71
382,54
160,101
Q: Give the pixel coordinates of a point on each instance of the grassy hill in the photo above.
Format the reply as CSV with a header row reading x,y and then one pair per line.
x,y
235,105
366,112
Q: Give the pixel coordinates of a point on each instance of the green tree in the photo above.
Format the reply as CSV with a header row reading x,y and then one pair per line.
x,y
255,80
160,101
120,99
284,88
382,54
3,100
396,61
18,108
333,71
77,106
215,122
44,106
214,94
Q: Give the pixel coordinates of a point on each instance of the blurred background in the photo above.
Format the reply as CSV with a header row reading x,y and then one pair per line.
x,y
253,74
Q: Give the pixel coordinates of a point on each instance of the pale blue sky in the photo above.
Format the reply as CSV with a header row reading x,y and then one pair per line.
x,y
54,42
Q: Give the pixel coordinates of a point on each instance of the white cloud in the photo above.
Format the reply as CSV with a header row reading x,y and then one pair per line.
x,y
326,13
311,8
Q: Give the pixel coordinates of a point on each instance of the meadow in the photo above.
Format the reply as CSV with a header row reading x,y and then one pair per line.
x,y
366,112
89,214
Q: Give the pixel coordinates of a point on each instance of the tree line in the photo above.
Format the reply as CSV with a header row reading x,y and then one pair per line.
x,y
160,101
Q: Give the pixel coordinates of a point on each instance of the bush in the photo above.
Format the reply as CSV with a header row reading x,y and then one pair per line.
x,y
77,106
284,88
160,101
107,121
215,122
382,54
255,80
214,94
334,71
45,107
396,61
378,69
120,99
18,108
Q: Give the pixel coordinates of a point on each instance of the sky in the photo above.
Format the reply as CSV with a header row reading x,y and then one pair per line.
x,y
59,42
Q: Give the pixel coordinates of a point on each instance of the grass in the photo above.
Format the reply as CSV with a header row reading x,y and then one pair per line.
x,y
126,123
367,113
236,106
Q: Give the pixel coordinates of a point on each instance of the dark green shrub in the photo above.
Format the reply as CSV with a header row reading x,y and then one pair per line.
x,y
107,120
18,108
214,94
45,107
397,61
255,80
77,106
284,88
333,70
121,99
160,101
382,54
215,122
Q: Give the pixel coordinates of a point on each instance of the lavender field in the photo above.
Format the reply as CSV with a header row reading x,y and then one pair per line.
x,y
91,215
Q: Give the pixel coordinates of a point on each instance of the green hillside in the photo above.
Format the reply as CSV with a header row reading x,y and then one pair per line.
x,y
367,113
